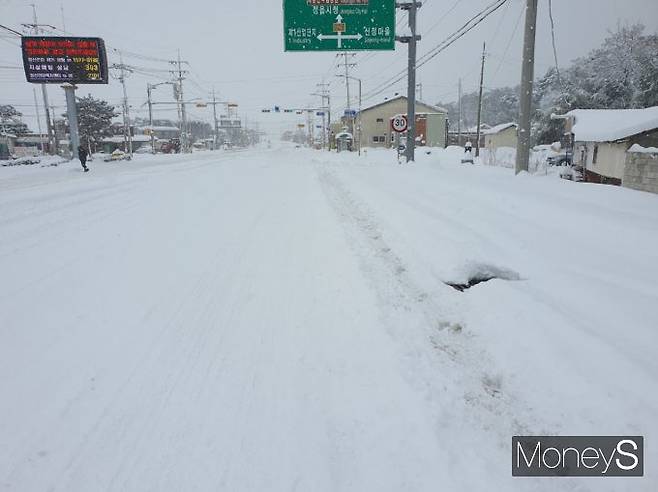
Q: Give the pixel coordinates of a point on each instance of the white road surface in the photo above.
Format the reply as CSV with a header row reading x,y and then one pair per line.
x,y
278,320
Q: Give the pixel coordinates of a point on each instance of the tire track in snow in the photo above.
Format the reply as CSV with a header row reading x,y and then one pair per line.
x,y
457,375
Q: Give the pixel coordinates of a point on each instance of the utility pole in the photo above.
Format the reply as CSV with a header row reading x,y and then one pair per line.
x,y
44,92
412,8
216,123
347,85
181,98
420,90
127,134
360,102
477,143
149,93
36,107
326,112
459,122
527,81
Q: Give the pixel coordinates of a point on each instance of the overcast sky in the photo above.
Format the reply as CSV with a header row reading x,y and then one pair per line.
x,y
237,48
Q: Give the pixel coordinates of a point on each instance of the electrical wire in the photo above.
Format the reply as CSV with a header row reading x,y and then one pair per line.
x,y
471,24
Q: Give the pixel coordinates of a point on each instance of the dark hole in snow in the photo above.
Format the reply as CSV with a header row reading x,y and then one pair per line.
x,y
471,283
477,274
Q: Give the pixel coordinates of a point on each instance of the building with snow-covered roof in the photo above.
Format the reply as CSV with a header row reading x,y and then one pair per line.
x,y
601,138
431,123
499,136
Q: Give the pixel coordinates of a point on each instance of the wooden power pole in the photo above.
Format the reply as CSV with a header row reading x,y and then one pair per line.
x,y
527,80
477,140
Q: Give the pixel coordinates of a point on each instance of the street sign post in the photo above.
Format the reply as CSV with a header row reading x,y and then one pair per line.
x,y
339,25
399,123
58,60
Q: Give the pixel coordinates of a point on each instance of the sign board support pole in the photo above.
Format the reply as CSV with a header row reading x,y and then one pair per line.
x,y
72,115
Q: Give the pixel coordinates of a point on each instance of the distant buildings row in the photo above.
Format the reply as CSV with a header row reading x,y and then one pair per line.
x,y
432,127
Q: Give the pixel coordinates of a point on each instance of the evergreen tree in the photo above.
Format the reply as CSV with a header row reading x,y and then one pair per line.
x,y
94,120
11,122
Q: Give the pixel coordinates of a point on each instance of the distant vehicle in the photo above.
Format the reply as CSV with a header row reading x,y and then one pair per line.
x,y
564,159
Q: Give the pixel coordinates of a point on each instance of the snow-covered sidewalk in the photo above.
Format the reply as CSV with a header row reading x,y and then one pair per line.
x,y
280,320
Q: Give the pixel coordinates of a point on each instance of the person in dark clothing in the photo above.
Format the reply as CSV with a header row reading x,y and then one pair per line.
x,y
82,155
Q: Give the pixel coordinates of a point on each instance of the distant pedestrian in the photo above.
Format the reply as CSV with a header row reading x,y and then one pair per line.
x,y
82,155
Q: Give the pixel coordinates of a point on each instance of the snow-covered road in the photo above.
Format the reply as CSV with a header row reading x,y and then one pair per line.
x,y
278,320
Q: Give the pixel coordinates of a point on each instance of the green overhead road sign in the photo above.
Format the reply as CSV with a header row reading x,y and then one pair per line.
x,y
339,25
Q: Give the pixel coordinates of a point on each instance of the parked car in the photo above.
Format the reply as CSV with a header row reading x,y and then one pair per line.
x,y
563,159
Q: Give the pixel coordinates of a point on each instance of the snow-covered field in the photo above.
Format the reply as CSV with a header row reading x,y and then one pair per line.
x,y
279,320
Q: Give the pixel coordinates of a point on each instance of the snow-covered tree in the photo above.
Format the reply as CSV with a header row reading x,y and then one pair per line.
x,y
622,73
94,120
10,120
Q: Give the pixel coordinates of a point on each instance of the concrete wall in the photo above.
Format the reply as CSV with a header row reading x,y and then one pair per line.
x,y
641,172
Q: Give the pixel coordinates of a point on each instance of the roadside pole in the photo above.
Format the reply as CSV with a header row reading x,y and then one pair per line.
x,y
527,79
360,116
149,92
412,8
72,115
52,144
216,125
459,121
479,131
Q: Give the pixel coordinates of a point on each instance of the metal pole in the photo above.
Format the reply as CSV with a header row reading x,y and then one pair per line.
x,y
360,116
185,143
214,112
477,143
527,79
36,107
459,122
44,93
72,115
411,89
149,92
329,121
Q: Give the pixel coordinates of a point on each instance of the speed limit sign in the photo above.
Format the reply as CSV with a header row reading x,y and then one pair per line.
x,y
399,123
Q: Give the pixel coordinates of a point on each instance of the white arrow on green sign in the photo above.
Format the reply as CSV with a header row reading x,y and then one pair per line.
x,y
339,25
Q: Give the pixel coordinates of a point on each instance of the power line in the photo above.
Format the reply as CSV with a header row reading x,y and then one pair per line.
x,y
471,24
557,66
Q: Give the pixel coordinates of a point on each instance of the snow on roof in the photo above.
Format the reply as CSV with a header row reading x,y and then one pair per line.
x,y
499,128
638,149
395,98
160,128
608,125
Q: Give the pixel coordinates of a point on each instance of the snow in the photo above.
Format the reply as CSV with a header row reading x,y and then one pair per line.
x,y
278,320
608,125
121,139
498,128
638,149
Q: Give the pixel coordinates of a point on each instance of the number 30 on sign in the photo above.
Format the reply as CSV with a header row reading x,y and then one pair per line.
x,y
399,123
